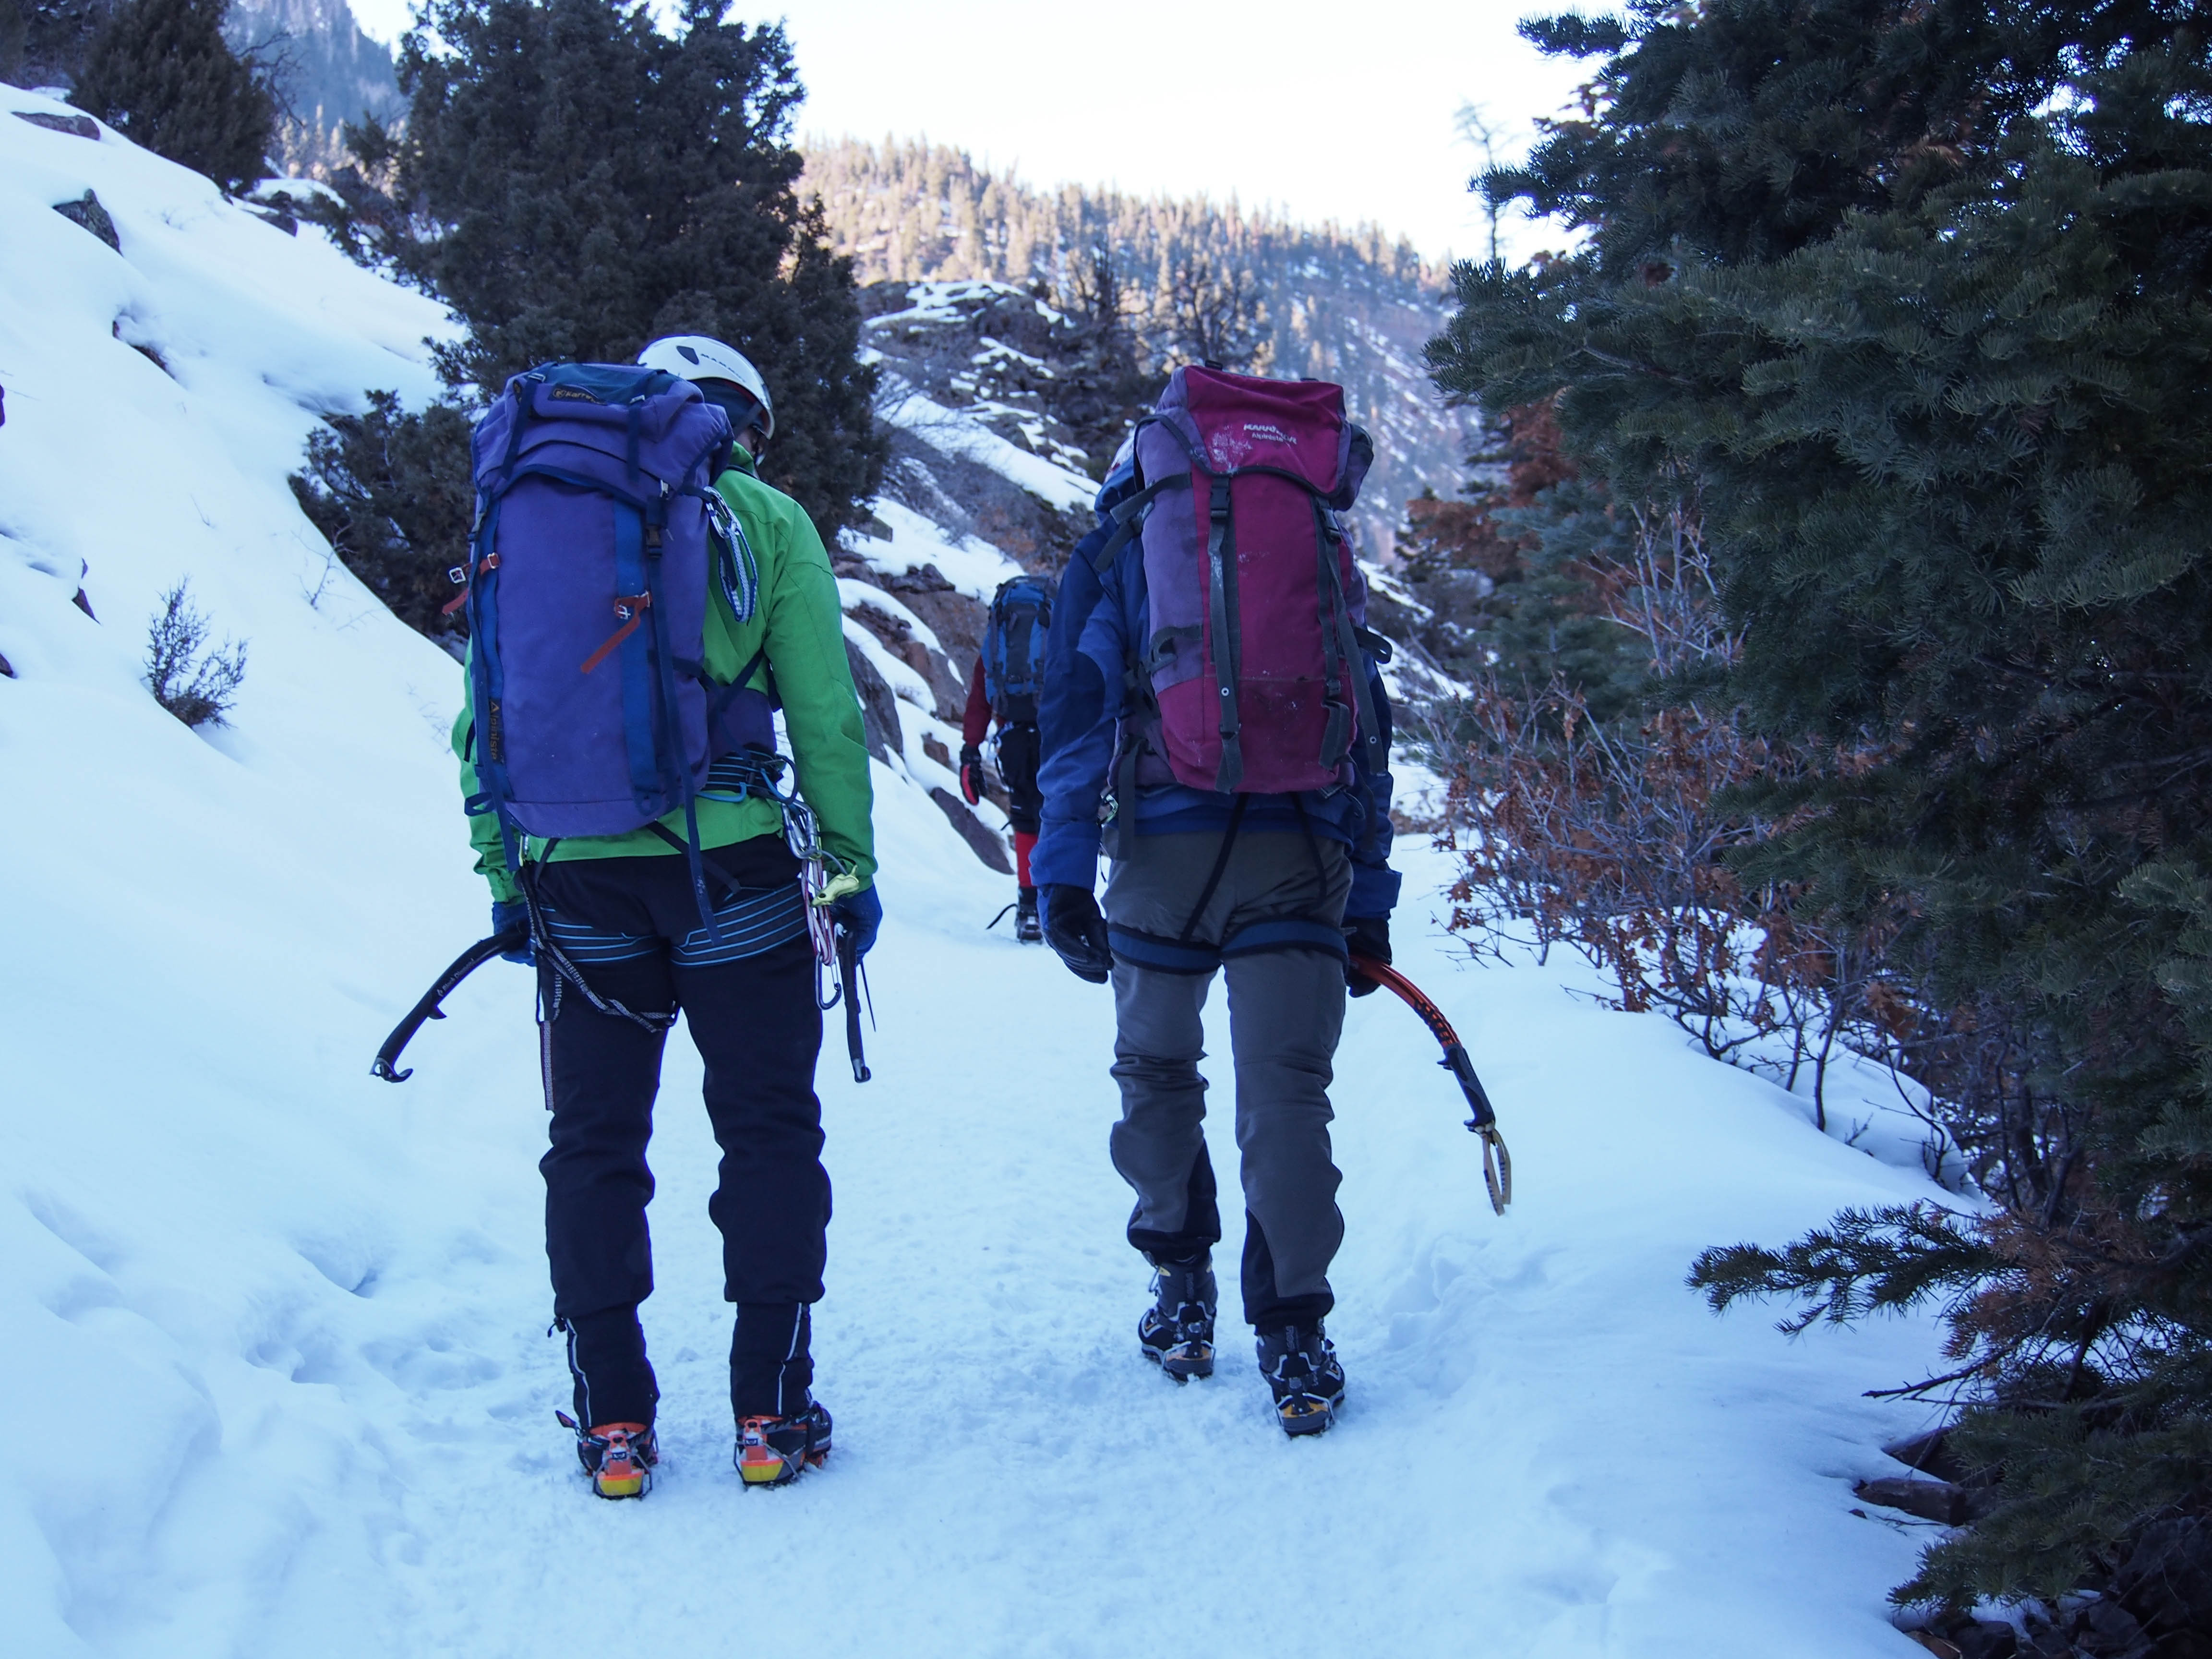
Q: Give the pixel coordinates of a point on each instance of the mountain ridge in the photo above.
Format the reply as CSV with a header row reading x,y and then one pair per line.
x,y
1182,279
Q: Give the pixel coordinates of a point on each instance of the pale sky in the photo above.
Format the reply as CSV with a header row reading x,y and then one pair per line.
x,y
1328,111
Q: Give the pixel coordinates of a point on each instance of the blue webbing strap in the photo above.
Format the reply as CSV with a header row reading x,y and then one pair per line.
x,y
488,685
1285,934
646,779
677,771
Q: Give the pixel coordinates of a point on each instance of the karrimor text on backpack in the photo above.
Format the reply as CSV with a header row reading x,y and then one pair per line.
x,y
1014,648
1258,609
588,598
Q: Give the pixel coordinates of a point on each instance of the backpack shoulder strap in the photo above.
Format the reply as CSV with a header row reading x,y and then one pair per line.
x,y
1128,516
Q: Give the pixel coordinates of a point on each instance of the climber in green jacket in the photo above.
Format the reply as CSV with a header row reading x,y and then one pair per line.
x,y
624,910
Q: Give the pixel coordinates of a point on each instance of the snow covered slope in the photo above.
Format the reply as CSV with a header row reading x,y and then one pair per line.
x,y
277,1377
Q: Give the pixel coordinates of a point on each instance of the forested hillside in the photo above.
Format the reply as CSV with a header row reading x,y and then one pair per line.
x,y
1177,280
326,73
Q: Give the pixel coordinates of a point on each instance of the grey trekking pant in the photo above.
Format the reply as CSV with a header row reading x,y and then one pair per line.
x,y
1270,922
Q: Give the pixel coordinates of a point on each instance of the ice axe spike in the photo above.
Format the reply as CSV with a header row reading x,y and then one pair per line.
x,y
1496,1161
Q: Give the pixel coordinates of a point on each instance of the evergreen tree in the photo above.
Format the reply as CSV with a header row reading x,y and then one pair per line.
x,y
394,496
1915,295
15,36
44,42
576,183
160,73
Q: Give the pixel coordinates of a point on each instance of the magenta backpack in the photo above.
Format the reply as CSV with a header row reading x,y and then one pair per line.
x,y
1258,609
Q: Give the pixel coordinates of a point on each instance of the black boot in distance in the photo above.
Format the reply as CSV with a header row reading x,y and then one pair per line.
x,y
1027,928
1177,1331
1303,1373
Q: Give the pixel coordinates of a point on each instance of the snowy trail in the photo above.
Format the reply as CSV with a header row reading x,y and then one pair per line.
x,y
276,1373
1552,1448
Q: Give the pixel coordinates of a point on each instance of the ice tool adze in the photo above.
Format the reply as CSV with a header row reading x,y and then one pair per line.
x,y
1496,1161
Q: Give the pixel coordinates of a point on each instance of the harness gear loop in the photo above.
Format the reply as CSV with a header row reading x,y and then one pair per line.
x,y
553,957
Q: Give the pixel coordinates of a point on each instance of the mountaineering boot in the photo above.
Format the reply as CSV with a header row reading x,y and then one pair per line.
x,y
774,1451
618,1456
1027,928
1300,1365
1177,1331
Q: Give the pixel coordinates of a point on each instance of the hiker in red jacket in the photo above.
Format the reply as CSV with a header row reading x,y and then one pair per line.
x,y
1008,673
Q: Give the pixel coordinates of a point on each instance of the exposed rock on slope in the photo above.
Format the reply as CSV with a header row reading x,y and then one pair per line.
x,y
1352,306
981,485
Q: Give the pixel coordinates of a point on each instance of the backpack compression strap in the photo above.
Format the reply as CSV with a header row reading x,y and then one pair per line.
x,y
1348,642
1221,605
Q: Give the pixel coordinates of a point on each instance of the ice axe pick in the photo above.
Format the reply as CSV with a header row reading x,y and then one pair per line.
x,y
1496,1161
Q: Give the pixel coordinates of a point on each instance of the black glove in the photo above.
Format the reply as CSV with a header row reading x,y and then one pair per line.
x,y
1369,937
1075,930
513,913
971,774
860,914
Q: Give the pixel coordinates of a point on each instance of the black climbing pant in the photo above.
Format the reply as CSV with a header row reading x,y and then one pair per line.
x,y
632,926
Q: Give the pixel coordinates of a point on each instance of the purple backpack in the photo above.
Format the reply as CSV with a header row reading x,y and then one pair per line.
x,y
587,600
1255,664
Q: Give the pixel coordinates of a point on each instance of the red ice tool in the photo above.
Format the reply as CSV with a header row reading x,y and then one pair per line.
x,y
1496,1161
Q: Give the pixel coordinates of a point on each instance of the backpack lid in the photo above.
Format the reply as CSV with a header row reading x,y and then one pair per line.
x,y
1241,420
602,420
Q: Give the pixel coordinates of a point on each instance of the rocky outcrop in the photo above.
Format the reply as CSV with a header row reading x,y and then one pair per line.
x,y
967,361
87,212
77,126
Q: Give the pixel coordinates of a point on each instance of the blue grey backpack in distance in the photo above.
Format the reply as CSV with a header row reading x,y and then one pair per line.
x,y
587,601
1014,648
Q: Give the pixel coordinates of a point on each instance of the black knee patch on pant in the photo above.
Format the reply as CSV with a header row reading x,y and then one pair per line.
x,y
614,1381
1265,1309
1201,1220
771,1369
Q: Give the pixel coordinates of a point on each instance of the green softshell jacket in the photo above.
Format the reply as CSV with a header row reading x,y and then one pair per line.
x,y
801,627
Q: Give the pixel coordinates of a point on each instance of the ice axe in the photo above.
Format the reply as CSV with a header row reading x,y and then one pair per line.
x,y
388,1057
1496,1161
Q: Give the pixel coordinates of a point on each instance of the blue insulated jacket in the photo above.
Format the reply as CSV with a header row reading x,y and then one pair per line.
x,y
1094,622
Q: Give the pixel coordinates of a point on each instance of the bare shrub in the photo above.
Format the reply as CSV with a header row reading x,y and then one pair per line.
x,y
199,689
1622,839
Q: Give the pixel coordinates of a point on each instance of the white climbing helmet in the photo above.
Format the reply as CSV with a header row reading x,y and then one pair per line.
x,y
696,357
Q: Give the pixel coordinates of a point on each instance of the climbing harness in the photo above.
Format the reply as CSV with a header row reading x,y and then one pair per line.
x,y
838,975
1496,1161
